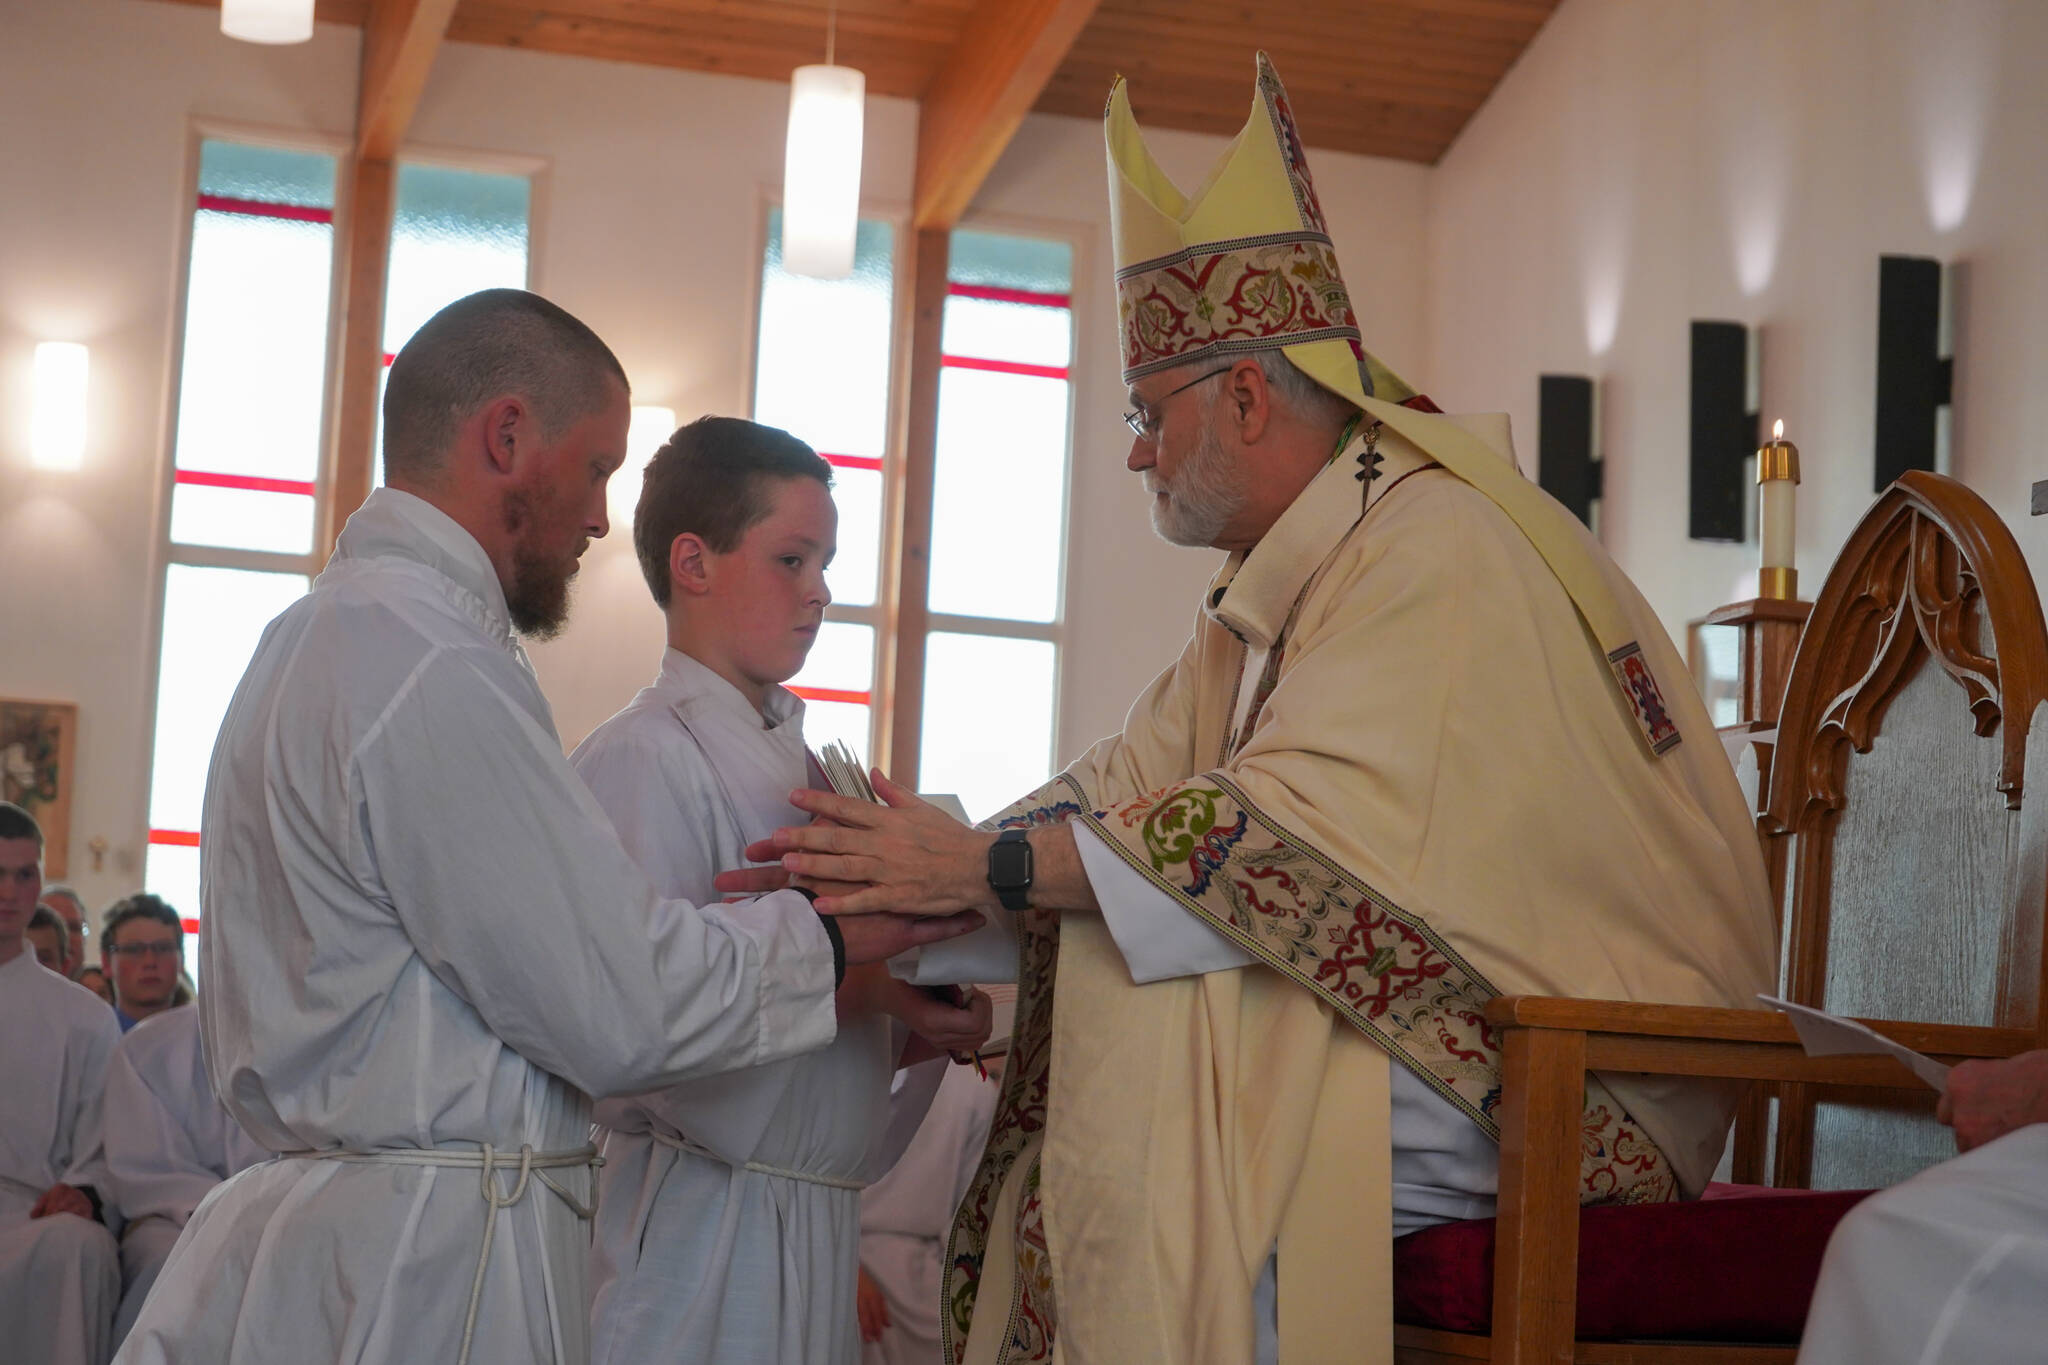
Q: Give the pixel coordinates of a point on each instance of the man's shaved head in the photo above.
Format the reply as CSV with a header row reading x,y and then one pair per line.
x,y
484,347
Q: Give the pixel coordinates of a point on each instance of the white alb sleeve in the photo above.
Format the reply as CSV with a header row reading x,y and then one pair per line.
x,y
1159,938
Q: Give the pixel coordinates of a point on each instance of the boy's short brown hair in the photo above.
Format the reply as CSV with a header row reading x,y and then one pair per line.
x,y
710,481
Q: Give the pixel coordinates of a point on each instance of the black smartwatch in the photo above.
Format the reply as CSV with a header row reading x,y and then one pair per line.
x,y
1009,868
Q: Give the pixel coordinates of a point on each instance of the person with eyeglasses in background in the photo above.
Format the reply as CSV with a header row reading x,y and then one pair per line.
x,y
143,945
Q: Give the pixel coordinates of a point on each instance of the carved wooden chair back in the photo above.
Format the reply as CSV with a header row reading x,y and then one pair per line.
x,y
1897,825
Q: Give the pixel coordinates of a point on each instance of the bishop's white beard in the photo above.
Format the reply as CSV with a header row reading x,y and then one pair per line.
x,y
1206,492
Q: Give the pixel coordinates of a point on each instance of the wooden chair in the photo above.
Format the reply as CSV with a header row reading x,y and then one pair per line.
x,y
1913,879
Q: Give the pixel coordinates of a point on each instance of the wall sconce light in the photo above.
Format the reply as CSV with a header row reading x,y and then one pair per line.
x,y
1914,379
648,432
1724,429
59,423
1566,465
267,21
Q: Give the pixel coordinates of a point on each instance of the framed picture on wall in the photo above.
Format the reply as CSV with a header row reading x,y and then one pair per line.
x,y
37,743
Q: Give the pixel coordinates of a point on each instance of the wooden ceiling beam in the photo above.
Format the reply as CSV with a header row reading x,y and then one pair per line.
x,y
1006,52
400,39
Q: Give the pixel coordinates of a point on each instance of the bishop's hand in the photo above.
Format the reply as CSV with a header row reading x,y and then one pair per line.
x,y
911,857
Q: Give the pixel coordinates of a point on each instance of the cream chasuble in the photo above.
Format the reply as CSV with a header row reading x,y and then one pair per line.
x,y
1415,786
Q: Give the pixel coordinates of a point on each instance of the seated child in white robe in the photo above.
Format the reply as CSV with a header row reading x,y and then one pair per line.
x,y
729,1208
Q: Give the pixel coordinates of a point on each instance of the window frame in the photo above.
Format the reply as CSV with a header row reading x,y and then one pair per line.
x,y
883,616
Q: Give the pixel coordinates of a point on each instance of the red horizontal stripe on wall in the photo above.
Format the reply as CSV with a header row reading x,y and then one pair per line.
x,y
996,294
389,356
191,926
846,695
873,462
975,362
249,482
258,208
176,838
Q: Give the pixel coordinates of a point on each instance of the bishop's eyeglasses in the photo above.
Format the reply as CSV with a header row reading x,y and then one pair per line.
x,y
1143,420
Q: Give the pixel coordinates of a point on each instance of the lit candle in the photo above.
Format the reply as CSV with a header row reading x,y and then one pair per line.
x,y
1777,475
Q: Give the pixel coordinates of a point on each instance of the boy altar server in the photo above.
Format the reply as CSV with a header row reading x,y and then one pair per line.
x,y
729,1211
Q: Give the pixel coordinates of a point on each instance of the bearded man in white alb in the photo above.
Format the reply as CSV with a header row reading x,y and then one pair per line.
x,y
1416,754
425,947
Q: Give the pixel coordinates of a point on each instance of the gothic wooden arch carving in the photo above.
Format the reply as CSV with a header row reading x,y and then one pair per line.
x,y
1929,568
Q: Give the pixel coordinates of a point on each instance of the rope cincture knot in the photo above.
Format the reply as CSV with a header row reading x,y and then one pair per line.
x,y
532,1165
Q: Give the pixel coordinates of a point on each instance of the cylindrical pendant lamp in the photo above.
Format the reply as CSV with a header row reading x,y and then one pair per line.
x,y
267,21
821,171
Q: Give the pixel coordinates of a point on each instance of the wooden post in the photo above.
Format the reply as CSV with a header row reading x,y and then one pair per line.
x,y
907,534
367,242
400,38
1536,1239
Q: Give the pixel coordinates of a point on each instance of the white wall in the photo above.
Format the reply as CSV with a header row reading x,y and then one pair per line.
x,y
647,226
1646,164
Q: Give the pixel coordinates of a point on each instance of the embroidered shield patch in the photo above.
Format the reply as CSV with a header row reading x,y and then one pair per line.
x,y
1639,686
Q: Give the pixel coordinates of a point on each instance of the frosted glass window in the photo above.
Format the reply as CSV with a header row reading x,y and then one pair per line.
x,y
248,519
453,232
988,718
836,683
254,372
999,496
821,372
172,871
213,619
1030,264
858,495
272,176
1002,329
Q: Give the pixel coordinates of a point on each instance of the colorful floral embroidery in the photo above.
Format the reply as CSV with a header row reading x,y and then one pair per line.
x,y
1205,843
1245,294
1385,971
1019,1119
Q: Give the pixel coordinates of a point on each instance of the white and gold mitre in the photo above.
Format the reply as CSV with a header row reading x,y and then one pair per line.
x,y
1244,265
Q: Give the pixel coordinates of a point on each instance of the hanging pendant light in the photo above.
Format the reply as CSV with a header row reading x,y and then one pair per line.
x,y
267,21
821,165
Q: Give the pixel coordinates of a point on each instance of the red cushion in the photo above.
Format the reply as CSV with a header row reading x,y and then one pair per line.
x,y
1736,1265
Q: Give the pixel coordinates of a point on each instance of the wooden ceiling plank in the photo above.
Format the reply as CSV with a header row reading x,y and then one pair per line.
x,y
1131,42
669,48
1006,52
399,42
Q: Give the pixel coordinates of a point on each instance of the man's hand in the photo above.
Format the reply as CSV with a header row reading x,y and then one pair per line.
x,y
1985,1100
740,883
875,938
62,1199
871,1307
913,858
947,1027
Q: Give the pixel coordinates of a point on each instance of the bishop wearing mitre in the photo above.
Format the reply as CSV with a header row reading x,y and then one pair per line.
x,y
1426,745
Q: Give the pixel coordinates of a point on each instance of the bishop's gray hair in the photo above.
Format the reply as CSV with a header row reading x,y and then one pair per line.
x,y
492,344
1298,393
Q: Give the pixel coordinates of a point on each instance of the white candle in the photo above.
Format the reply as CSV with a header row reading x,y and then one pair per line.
x,y
1775,516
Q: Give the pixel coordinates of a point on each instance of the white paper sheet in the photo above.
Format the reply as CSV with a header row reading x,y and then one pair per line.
x,y
1829,1035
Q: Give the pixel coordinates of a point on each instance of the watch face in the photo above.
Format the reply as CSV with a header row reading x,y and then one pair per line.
x,y
1009,864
